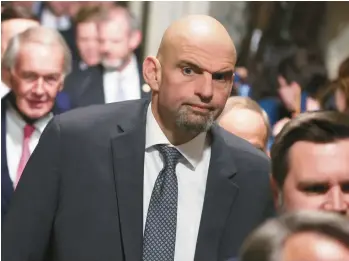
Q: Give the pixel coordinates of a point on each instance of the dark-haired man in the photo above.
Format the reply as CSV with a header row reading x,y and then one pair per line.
x,y
310,163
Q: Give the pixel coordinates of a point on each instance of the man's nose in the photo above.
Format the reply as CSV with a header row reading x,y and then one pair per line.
x,y
205,90
38,89
336,201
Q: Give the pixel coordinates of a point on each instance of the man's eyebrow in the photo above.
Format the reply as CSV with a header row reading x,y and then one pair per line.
x,y
189,63
226,73
313,182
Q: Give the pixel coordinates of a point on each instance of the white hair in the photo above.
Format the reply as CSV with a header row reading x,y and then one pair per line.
x,y
41,35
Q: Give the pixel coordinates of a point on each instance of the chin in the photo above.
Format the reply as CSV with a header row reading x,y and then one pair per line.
x,y
36,114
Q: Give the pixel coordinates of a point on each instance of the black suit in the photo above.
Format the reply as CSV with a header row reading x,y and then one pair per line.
x,y
81,195
86,87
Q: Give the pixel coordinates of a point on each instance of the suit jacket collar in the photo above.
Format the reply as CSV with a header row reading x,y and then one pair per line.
x,y
6,182
128,147
221,191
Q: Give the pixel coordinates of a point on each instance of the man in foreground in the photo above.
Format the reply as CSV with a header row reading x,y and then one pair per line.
x,y
138,181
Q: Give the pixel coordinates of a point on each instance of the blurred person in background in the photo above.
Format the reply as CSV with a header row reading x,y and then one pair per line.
x,y
344,69
310,166
54,14
119,77
245,118
14,20
37,61
57,15
73,8
341,92
299,82
87,40
33,6
299,236
332,97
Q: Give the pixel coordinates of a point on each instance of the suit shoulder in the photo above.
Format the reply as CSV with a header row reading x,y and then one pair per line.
x,y
100,115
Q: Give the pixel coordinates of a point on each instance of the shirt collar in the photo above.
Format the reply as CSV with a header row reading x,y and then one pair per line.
x,y
39,125
131,68
192,150
4,89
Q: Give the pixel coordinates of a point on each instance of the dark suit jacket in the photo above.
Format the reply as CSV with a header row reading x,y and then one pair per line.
x,y
86,87
61,105
81,195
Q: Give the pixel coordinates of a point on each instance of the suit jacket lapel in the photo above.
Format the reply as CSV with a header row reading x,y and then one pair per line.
x,y
219,197
128,148
6,182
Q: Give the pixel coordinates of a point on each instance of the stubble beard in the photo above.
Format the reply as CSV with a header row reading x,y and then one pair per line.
x,y
194,122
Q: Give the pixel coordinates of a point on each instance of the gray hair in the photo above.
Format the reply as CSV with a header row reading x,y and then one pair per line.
x,y
41,35
267,241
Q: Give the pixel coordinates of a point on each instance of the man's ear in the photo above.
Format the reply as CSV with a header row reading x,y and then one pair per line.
x,y
135,39
152,72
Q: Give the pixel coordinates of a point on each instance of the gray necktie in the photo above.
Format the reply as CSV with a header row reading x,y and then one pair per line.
x,y
159,240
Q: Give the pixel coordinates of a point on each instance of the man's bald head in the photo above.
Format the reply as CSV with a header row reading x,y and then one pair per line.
x,y
245,118
191,77
196,29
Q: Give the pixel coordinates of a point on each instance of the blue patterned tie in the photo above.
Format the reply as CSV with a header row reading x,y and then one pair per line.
x,y
159,240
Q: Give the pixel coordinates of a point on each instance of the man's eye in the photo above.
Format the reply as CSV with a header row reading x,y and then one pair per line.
x,y
345,187
187,71
218,76
29,77
316,189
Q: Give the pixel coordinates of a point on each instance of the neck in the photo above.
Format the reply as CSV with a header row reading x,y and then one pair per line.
x,y
173,133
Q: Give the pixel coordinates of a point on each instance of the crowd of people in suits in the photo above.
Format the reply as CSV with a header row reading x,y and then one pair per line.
x,y
108,157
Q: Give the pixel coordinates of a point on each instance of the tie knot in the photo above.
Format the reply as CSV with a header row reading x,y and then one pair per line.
x,y
28,130
170,154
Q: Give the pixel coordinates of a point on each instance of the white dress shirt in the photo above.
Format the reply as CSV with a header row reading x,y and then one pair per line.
x,y
191,172
123,85
4,89
14,138
50,20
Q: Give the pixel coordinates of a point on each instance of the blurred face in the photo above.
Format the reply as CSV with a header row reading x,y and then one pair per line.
x,y
59,8
73,7
196,80
87,42
37,78
114,39
246,124
312,246
318,177
340,100
13,27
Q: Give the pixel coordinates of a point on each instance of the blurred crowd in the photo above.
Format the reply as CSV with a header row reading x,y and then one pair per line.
x,y
58,56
